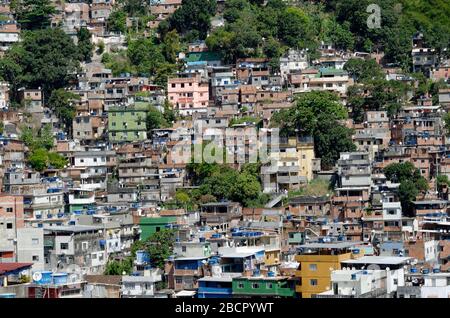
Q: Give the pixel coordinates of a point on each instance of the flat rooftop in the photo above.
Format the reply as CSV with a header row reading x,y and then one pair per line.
x,y
72,229
330,245
379,260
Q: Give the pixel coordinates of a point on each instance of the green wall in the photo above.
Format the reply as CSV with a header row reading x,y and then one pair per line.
x,y
266,287
134,120
150,225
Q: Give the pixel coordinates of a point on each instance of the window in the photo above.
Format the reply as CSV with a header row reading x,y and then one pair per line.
x,y
269,285
9,225
35,258
9,210
84,245
312,267
183,248
178,280
255,285
94,256
313,282
240,285
64,246
35,241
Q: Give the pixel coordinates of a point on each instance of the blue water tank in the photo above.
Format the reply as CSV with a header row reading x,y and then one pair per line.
x,y
60,278
46,278
355,251
142,257
413,270
436,270
202,239
426,271
270,274
8,295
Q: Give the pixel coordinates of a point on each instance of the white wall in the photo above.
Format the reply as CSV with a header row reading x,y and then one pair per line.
x,y
30,242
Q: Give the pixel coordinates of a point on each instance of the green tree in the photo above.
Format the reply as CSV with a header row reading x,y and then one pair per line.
x,y
246,188
145,55
363,70
447,122
295,27
318,114
182,198
193,15
119,267
62,103
56,161
85,46
155,119
44,58
160,246
33,14
46,139
117,21
407,193
171,46
38,159
411,183
35,139
398,172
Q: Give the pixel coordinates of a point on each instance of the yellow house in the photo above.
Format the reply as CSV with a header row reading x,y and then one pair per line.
x,y
291,165
272,257
305,155
316,262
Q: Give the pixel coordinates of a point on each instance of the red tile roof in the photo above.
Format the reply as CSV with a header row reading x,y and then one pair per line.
x,y
10,267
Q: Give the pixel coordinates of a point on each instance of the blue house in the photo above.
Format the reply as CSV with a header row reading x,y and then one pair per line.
x,y
215,287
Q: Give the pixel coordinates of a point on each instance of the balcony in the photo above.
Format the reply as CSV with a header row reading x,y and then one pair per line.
x,y
81,199
137,292
215,290
322,258
342,198
291,179
186,272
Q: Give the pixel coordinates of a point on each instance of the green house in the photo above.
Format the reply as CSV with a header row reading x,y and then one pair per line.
x,y
263,287
210,58
153,225
296,238
127,124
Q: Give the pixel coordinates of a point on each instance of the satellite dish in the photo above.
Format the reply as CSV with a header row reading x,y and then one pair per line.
x,y
37,276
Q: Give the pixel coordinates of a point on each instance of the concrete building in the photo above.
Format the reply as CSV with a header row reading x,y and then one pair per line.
x,y
30,247
127,124
188,95
316,263
11,220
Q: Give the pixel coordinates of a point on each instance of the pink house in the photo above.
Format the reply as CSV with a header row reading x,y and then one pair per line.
x,y
188,95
